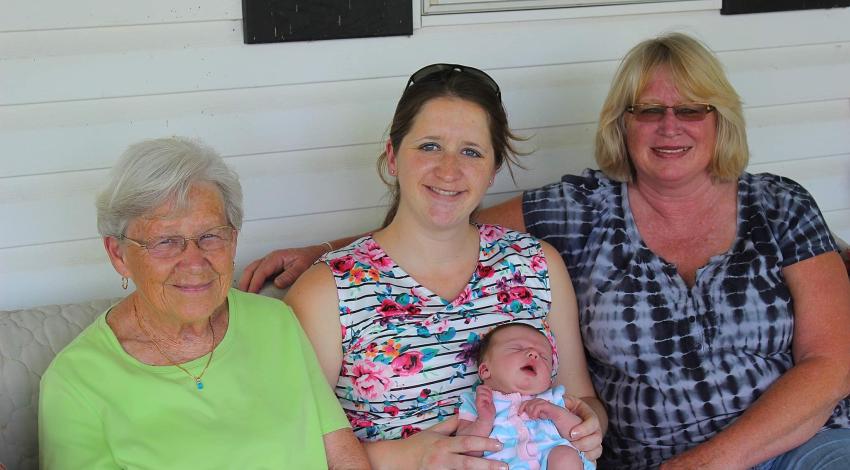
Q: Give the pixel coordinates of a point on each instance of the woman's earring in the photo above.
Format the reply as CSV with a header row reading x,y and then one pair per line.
x,y
124,283
392,172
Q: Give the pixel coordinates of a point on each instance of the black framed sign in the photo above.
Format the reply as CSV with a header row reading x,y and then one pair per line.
x,y
734,7
267,21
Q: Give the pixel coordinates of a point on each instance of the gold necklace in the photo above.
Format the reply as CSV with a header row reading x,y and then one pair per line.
x,y
196,378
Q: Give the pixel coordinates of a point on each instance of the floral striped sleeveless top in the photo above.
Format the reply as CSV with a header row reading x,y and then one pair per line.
x,y
407,352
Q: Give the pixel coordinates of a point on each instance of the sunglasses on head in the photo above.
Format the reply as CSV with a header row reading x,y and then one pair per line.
x,y
443,71
690,112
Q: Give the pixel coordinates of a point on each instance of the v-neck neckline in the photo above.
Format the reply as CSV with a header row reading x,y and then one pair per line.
x,y
425,289
669,268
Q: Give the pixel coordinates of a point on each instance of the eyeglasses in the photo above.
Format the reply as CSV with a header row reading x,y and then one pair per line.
x,y
689,112
213,239
443,71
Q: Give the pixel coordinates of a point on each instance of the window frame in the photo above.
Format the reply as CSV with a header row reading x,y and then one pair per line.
x,y
447,17
438,7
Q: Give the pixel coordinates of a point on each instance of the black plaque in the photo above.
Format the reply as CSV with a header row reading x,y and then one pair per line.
x,y
735,7
309,20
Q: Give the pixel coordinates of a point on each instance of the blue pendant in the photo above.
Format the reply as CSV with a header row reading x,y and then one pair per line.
x,y
200,385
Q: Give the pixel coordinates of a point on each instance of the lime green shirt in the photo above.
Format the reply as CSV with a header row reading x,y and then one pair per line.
x,y
265,402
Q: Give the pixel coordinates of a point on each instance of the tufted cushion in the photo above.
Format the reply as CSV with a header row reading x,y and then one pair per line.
x,y
28,341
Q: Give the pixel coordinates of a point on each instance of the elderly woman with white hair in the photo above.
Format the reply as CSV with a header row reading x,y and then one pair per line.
x,y
186,372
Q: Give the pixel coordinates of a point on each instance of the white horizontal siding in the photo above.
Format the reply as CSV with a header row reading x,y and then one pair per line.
x,y
35,16
787,148
303,122
87,134
76,270
190,64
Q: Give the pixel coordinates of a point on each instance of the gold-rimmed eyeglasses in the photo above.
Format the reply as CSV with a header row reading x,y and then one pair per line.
x,y
651,112
213,239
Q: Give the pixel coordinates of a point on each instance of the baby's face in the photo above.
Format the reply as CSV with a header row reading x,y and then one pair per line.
x,y
519,360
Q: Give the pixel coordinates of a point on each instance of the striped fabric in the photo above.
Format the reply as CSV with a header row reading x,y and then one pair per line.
x,y
675,365
406,351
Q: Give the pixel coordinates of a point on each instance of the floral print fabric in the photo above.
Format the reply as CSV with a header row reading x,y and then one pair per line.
x,y
407,352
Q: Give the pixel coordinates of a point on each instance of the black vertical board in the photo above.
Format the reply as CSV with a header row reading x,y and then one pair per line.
x,y
734,7
307,20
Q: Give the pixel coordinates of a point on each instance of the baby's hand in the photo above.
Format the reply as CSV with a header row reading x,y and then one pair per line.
x,y
538,408
484,403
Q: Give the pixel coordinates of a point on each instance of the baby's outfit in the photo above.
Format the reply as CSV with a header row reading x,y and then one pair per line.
x,y
527,442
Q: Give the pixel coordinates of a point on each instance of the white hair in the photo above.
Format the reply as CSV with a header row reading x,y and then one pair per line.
x,y
152,172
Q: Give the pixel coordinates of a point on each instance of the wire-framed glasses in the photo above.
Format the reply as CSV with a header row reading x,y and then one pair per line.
x,y
651,112
213,239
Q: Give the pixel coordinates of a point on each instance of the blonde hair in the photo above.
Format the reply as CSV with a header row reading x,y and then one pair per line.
x,y
699,77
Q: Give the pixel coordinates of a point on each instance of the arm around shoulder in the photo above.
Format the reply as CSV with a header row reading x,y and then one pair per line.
x,y
285,264
507,214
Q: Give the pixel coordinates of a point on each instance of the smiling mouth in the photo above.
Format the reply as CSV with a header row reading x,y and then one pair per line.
x,y
671,150
443,192
193,287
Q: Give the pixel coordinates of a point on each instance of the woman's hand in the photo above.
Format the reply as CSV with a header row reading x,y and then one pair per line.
x,y
287,264
586,436
444,451
435,449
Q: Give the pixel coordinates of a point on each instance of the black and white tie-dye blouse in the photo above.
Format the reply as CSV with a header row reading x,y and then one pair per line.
x,y
675,365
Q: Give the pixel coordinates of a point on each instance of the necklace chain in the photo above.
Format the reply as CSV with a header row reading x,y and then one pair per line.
x,y
197,378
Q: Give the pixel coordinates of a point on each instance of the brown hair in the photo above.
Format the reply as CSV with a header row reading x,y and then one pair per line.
x,y
450,83
487,339
699,77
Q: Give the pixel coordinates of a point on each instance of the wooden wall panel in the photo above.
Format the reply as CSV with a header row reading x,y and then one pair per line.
x,y
88,134
796,131
826,178
839,222
302,123
34,16
285,184
178,68
77,270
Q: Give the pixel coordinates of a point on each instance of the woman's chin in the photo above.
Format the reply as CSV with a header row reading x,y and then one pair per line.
x,y
451,219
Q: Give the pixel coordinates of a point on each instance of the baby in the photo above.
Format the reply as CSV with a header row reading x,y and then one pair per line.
x,y
516,405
